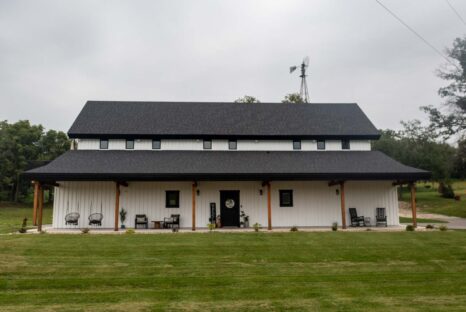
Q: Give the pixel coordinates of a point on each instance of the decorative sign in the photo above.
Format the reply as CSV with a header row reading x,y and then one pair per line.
x,y
229,203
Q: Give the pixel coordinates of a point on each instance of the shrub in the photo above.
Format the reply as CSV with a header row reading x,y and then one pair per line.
x,y
23,228
211,226
368,229
294,228
257,227
130,231
335,226
443,228
457,197
175,229
427,186
410,228
85,231
446,190
430,226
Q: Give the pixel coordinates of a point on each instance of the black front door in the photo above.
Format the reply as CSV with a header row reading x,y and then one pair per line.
x,y
229,208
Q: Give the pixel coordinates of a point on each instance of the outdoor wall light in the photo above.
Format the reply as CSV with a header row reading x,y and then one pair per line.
x,y
260,192
198,192
337,191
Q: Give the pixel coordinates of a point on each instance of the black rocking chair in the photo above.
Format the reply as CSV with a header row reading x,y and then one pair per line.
x,y
72,218
380,217
355,219
172,222
96,219
141,219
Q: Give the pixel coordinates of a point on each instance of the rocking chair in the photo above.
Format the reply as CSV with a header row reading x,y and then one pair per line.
x,y
355,219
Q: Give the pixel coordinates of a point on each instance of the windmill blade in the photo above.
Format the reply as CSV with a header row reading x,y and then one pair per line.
x,y
293,68
306,61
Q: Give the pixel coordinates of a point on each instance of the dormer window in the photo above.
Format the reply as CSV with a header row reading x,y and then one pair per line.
x,y
232,144
156,144
208,144
129,144
297,144
320,144
103,144
345,144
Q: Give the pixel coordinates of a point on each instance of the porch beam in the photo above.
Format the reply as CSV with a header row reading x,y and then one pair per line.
x,y
343,209
36,202
117,204
51,184
122,183
40,207
193,195
269,207
413,202
333,183
396,183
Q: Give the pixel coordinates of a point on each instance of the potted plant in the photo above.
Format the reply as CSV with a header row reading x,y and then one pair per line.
x,y
244,219
123,213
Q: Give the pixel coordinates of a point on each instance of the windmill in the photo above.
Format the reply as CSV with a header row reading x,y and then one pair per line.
x,y
303,91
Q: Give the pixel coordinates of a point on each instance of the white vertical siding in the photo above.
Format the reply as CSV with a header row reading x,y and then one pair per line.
x,y
88,144
314,203
360,145
182,144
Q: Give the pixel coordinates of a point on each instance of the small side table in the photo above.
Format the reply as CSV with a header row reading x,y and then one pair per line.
x,y
157,224
367,221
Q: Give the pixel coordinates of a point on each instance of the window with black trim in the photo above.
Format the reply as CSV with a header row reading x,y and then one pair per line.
x,y
286,198
207,144
320,144
156,144
297,144
129,144
103,144
345,144
232,144
172,199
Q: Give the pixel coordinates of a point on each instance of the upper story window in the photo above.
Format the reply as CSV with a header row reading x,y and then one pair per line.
x,y
345,144
156,144
208,144
320,144
232,144
129,144
103,144
297,144
286,198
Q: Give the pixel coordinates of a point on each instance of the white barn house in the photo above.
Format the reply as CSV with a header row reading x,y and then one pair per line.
x,y
282,165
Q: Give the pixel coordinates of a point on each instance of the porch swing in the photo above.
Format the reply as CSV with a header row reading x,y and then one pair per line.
x,y
95,218
71,218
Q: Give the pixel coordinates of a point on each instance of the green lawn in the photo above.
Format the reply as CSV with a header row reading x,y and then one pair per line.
x,y
331,271
420,220
429,200
12,215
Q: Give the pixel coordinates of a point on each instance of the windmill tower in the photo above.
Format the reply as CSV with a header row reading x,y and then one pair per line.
x,y
303,91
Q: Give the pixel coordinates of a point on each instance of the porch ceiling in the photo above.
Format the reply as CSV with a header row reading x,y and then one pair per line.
x,y
224,165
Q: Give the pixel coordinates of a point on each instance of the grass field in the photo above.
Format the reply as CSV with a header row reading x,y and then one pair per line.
x,y
429,200
12,215
335,271
420,220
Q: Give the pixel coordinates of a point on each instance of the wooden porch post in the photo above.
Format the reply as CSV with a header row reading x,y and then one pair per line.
x,y
269,207
413,202
117,204
343,209
36,202
193,194
40,201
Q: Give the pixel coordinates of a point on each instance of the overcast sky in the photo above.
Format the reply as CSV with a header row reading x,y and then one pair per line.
x,y
56,55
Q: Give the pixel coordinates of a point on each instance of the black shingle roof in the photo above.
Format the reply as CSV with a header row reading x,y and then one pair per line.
x,y
227,165
216,120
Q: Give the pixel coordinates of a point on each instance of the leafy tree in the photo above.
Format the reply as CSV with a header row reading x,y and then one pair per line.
x,y
20,144
293,98
453,122
460,160
247,99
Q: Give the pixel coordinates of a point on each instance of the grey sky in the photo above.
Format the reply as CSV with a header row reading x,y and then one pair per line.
x,y
55,55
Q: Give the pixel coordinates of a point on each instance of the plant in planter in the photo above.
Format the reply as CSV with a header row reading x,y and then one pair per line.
x,y
23,228
257,227
123,213
211,226
244,219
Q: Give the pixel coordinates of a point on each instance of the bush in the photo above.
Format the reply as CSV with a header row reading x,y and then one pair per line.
x,y
85,231
430,226
443,228
175,229
446,190
211,226
294,228
23,228
335,226
410,228
130,231
257,227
